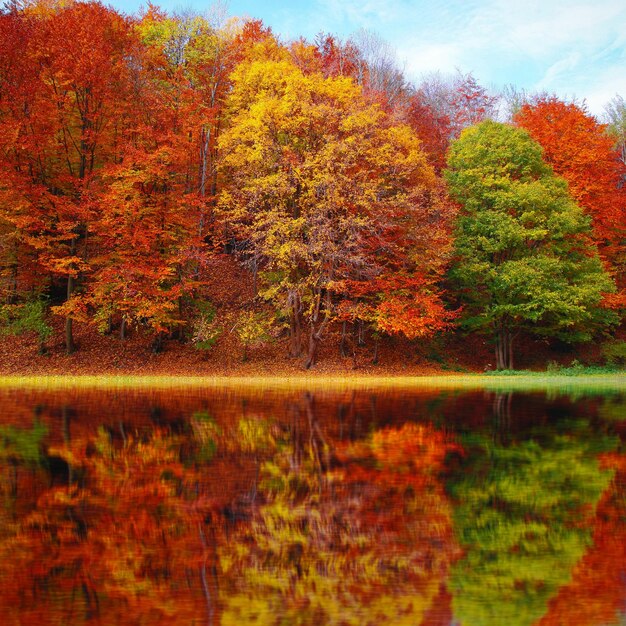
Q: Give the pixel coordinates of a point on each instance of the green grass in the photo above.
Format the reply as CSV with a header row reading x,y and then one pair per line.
x,y
498,381
574,370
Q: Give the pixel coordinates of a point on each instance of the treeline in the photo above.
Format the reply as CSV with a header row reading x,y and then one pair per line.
x,y
134,150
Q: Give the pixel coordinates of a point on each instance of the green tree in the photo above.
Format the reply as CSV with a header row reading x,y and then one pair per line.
x,y
29,316
525,522
524,257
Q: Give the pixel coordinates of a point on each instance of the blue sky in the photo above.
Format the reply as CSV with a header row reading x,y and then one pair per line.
x,y
574,48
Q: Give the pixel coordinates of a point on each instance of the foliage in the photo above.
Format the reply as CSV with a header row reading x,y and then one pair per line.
x,y
615,352
317,179
525,524
523,254
206,331
576,369
253,329
23,445
583,153
134,148
30,316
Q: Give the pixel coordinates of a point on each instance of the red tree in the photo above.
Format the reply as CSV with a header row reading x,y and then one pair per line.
x,y
580,150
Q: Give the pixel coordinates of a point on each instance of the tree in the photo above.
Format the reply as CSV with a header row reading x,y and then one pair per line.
x,y
148,231
318,185
63,117
582,151
524,258
615,116
442,106
156,204
377,70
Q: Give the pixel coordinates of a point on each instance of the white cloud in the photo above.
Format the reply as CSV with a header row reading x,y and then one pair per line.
x,y
362,13
538,45
562,46
428,57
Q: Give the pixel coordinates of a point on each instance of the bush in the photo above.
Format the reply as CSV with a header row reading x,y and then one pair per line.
x,y
30,316
252,329
206,331
615,352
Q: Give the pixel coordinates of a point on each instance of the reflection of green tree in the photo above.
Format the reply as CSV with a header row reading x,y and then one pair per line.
x,y
364,544
19,448
523,514
22,445
613,408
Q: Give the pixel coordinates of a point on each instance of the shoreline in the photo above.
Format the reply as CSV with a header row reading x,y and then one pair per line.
x,y
489,382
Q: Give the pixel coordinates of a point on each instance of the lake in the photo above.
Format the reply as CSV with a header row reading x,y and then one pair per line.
x,y
235,505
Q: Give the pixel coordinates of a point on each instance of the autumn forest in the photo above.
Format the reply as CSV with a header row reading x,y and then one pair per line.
x,y
140,155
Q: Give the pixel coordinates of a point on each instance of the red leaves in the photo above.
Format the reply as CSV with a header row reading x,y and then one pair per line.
x,y
580,150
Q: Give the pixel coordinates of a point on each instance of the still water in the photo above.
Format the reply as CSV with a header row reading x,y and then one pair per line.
x,y
348,507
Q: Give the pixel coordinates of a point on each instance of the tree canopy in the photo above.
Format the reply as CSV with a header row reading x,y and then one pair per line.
x,y
524,255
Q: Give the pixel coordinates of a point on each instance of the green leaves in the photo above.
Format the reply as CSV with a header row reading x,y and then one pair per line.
x,y
523,521
524,255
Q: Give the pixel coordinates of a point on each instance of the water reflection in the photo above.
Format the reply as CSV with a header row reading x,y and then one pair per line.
x,y
299,508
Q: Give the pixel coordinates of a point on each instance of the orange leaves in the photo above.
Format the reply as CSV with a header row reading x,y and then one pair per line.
x,y
417,446
581,151
414,316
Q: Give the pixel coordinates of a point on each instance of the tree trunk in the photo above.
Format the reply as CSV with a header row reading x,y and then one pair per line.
x,y
69,337
123,329
375,359
361,334
157,343
295,326
504,347
313,343
315,335
12,282
342,345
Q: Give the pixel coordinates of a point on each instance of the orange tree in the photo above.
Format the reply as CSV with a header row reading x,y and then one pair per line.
x,y
59,126
584,154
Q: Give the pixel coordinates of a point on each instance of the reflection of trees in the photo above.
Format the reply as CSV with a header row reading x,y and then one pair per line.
x,y
123,543
613,408
229,523
358,534
524,513
502,404
597,592
305,519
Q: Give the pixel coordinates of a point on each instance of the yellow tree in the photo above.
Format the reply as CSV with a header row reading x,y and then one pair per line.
x,y
318,184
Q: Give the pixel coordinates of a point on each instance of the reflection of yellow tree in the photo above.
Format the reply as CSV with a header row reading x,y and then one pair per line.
x,y
364,541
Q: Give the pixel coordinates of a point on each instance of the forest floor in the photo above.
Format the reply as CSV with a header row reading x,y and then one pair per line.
x,y
231,293
97,354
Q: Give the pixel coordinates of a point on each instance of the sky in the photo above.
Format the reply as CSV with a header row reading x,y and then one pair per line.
x,y
573,48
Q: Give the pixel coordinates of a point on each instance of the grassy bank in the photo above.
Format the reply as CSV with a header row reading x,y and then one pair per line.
x,y
524,381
